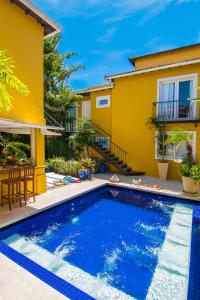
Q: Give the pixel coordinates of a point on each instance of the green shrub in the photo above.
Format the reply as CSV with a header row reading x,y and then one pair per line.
x,y
194,173
87,164
55,162
70,167
59,165
184,170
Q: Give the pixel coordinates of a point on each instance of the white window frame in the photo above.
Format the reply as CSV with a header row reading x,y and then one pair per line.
x,y
174,157
176,80
99,98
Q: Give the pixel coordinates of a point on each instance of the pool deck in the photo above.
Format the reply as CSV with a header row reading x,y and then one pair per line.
x,y
16,280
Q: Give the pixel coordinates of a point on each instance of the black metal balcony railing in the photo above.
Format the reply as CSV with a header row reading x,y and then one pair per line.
x,y
176,111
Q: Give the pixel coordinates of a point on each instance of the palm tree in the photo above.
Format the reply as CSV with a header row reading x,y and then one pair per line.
x,y
9,80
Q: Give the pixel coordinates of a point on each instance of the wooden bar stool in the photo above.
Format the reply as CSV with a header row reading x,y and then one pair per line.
x,y
29,176
13,184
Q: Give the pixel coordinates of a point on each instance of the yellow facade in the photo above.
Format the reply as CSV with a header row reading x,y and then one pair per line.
x,y
23,39
132,100
167,57
102,117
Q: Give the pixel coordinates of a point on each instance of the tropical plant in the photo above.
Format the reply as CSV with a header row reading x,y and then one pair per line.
x,y
59,165
58,96
8,80
83,138
181,137
13,149
55,162
87,164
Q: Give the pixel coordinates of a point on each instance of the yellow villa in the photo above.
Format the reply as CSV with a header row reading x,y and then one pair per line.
x,y
22,30
159,87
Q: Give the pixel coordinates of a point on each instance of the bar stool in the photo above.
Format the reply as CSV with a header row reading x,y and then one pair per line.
x,y
13,184
29,176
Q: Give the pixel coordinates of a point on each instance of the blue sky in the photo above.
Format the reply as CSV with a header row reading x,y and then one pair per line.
x,y
105,33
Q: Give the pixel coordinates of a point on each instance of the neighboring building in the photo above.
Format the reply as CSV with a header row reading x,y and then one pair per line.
x,y
22,31
159,86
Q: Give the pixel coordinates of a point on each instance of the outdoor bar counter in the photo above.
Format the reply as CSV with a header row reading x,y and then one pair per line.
x,y
39,176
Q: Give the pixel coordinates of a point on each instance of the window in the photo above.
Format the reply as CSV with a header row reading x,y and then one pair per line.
x,y
173,94
103,101
174,152
71,119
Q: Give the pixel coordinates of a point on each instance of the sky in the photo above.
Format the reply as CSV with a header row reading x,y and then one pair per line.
x,y
105,33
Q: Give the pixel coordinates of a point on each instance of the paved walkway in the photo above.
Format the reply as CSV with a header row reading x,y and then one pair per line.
x,y
25,285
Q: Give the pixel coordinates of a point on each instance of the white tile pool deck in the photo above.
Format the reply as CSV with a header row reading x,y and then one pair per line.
x,y
18,284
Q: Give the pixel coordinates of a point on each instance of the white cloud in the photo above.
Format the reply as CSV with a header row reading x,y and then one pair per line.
x,y
112,11
108,35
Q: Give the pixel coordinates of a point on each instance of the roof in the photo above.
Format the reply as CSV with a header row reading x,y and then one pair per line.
x,y
96,88
50,27
153,69
133,59
12,126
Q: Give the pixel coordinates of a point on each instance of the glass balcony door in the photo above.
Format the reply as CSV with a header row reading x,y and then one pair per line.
x,y
185,106
173,103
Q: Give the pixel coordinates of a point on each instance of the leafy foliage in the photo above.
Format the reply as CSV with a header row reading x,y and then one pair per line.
x,y
59,165
184,170
83,137
13,148
178,137
195,173
70,167
9,80
88,163
181,137
58,95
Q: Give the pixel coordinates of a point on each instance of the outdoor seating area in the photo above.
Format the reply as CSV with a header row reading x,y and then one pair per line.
x,y
18,186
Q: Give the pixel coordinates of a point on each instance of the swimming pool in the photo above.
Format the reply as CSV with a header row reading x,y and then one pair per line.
x,y
114,243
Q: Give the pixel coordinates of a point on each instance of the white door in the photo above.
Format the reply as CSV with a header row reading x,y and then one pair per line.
x,y
86,110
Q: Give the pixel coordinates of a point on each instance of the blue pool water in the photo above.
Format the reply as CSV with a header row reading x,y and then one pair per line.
x,y
116,243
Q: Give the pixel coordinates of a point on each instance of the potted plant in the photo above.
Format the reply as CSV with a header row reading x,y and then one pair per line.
x,y
88,165
163,165
190,178
48,167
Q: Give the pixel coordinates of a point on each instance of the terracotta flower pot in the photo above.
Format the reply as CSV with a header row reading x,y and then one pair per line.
x,y
163,170
190,186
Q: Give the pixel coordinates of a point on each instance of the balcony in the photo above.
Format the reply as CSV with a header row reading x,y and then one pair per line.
x,y
178,111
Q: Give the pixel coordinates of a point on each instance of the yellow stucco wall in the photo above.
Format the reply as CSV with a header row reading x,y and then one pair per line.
x,y
132,99
129,117
100,116
167,57
23,38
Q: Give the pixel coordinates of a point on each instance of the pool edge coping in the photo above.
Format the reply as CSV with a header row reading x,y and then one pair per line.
x,y
45,273
106,183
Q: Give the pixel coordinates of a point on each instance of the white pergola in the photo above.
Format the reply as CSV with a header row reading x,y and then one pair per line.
x,y
17,127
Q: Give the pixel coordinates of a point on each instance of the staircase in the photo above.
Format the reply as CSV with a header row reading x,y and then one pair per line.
x,y
112,153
